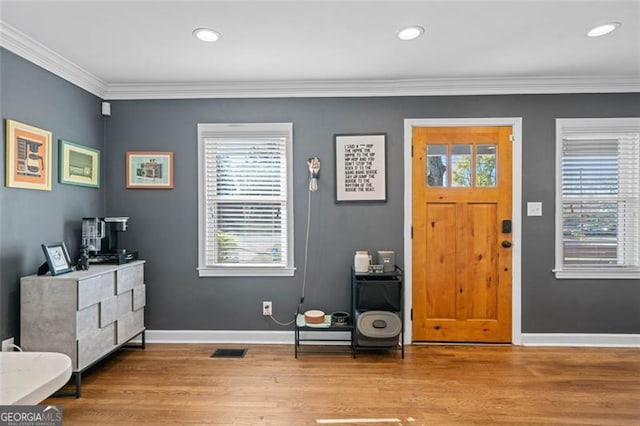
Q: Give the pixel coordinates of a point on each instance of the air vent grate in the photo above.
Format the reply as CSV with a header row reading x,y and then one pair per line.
x,y
229,353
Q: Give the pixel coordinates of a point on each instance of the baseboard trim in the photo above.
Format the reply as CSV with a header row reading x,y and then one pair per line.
x,y
576,339
220,336
240,336
318,337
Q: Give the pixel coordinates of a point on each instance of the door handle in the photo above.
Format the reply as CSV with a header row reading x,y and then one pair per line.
x,y
506,244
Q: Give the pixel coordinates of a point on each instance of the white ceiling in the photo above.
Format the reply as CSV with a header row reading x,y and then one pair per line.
x,y
306,44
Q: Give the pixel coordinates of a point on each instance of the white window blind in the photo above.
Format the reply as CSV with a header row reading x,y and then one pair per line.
x,y
245,219
599,205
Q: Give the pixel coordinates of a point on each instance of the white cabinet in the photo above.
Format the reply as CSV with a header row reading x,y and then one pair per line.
x,y
83,314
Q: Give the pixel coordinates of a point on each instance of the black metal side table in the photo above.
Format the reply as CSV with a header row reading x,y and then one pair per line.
x,y
329,328
378,291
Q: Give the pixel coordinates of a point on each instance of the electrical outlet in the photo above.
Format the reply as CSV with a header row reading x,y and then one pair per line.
x,y
6,345
267,308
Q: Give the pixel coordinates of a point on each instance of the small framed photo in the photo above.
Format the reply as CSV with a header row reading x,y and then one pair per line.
x,y
57,258
79,165
361,168
28,157
149,170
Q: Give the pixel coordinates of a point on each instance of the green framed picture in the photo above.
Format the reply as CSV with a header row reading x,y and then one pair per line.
x,y
79,165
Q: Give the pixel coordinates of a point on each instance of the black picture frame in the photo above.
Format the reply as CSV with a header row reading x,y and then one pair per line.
x,y
361,165
58,260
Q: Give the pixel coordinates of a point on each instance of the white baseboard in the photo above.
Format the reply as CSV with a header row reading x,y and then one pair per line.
x,y
287,338
588,340
220,336
240,336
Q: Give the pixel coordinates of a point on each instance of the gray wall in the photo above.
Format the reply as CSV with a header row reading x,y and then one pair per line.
x,y
164,222
29,218
163,225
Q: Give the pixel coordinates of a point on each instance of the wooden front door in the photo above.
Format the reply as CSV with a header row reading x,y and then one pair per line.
x,y
461,234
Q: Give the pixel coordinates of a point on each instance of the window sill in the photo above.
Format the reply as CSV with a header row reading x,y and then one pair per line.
x,y
596,274
246,272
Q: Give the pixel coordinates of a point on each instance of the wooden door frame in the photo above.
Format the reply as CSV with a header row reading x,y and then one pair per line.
x,y
516,284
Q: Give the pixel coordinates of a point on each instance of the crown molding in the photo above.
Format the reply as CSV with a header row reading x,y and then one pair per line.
x,y
32,50
367,88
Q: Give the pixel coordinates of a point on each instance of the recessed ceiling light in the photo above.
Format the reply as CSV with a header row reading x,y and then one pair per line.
x,y
603,29
409,33
205,34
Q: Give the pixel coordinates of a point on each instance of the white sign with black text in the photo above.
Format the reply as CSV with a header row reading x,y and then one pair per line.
x,y
360,168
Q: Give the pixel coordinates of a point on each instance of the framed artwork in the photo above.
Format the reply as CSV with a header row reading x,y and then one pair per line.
x,y
79,165
28,162
149,170
361,168
57,258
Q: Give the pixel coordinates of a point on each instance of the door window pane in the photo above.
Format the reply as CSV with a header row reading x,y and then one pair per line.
x,y
461,165
486,165
437,165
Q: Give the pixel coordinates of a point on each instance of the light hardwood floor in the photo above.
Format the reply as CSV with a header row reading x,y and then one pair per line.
x,y
433,385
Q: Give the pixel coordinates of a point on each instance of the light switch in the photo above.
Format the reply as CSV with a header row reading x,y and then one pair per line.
x,y
534,208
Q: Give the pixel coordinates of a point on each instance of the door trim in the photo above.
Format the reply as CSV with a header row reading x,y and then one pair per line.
x,y
516,290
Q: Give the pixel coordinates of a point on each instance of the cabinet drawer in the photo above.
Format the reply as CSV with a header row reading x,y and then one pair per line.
x,y
125,303
94,289
108,311
87,321
92,347
129,277
139,296
129,325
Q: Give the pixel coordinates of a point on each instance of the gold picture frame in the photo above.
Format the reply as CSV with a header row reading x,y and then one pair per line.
x,y
79,165
29,157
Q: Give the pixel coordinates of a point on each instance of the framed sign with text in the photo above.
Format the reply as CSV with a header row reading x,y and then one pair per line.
x,y
360,168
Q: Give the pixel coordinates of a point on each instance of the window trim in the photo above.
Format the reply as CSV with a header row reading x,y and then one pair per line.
x,y
594,127
221,130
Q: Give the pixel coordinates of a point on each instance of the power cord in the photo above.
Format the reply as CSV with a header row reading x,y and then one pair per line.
x,y
281,323
304,273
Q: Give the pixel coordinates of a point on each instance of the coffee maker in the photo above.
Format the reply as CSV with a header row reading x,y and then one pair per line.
x,y
100,240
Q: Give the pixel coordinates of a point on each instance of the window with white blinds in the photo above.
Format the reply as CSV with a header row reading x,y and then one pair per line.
x,y
598,198
245,199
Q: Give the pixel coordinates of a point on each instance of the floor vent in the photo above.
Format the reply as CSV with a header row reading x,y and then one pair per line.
x,y
229,353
